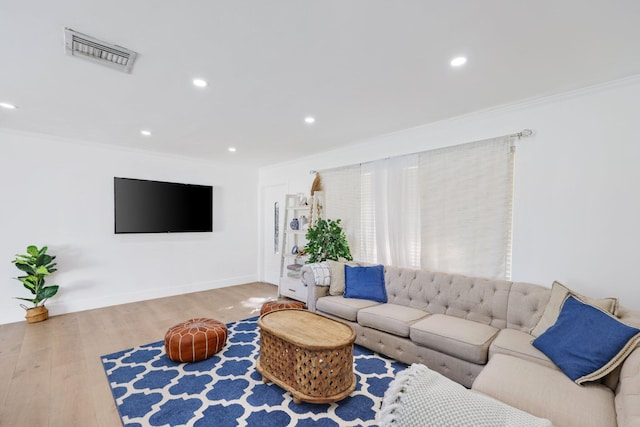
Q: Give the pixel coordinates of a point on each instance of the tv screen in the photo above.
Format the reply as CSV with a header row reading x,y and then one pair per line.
x,y
143,206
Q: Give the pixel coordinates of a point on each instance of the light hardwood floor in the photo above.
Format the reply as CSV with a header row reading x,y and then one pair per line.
x,y
51,373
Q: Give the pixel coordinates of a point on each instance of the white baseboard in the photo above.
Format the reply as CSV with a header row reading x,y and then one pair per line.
x,y
56,308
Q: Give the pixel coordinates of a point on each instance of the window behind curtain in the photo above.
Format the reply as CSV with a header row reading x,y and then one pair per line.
x,y
444,210
466,197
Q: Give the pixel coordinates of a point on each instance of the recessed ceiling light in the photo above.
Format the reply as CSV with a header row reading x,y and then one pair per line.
x,y
200,83
7,106
145,132
309,120
460,60
232,149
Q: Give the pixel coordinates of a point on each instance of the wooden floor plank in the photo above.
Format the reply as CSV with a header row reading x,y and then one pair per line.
x,y
51,373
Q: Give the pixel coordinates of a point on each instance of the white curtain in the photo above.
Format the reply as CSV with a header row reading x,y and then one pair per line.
x,y
390,215
466,208
446,210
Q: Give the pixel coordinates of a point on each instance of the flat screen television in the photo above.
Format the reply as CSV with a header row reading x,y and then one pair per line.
x,y
143,206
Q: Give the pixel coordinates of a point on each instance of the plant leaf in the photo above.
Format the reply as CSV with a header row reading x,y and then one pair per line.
x,y
33,251
42,270
43,259
48,291
30,288
25,267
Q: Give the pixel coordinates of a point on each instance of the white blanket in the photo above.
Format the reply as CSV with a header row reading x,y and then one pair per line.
x,y
420,397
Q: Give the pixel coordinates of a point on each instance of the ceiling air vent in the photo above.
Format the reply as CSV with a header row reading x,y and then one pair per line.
x,y
111,55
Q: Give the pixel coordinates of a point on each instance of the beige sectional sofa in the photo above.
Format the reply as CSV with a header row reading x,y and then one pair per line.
x,y
476,332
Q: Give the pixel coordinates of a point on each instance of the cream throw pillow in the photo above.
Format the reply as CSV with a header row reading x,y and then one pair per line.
x,y
559,293
336,286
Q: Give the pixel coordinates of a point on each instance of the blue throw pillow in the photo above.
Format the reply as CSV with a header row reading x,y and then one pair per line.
x,y
365,283
585,342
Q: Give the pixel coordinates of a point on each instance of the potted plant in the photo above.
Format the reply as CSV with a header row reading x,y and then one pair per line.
x,y
37,265
326,240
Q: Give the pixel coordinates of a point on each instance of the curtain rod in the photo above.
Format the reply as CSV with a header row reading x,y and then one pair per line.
x,y
524,133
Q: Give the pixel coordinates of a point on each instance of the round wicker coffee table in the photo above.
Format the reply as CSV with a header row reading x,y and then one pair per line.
x,y
306,354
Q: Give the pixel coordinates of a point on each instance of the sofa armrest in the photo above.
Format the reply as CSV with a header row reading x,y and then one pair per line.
x,y
313,291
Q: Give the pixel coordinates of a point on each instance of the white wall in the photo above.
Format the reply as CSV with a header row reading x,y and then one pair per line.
x,y
60,193
577,182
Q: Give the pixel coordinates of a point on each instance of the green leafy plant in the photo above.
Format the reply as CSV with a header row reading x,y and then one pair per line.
x,y
326,240
37,265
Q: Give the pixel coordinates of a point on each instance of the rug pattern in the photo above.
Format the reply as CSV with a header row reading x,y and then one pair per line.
x,y
226,390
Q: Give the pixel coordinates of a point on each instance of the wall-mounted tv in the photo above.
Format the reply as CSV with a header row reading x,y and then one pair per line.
x,y
143,206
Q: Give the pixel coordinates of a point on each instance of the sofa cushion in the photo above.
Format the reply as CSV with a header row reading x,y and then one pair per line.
x,y
456,337
559,293
546,393
518,344
345,308
586,342
391,318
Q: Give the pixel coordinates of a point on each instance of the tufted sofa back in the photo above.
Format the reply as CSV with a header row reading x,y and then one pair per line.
x,y
526,305
481,300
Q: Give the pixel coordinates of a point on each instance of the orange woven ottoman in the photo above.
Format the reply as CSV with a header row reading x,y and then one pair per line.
x,y
279,305
195,339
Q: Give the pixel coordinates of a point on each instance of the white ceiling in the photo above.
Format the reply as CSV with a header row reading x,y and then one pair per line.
x,y
361,67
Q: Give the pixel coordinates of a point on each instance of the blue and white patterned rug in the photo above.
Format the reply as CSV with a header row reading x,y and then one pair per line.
x,y
226,390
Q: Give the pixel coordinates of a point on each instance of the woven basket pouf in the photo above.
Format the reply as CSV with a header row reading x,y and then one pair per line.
x,y
195,339
279,305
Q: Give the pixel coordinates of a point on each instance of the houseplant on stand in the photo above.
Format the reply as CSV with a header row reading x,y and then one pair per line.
x,y
37,265
326,240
